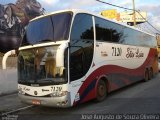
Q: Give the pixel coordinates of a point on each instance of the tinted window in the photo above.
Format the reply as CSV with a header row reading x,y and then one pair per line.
x,y
113,32
108,31
82,42
51,28
82,28
103,32
117,33
133,37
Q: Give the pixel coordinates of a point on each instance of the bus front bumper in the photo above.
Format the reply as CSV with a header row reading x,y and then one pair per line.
x,y
63,102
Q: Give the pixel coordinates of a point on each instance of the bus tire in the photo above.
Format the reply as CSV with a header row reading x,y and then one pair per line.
x,y
151,73
146,75
101,91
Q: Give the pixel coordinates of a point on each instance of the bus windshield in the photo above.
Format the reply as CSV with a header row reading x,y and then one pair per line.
x,y
51,28
38,65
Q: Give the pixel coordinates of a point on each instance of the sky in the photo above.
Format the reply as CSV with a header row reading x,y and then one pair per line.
x,y
152,7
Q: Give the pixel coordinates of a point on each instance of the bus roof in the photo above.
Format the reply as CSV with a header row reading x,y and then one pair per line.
x,y
75,11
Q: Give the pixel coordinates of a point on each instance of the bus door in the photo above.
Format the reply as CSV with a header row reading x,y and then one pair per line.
x,y
80,50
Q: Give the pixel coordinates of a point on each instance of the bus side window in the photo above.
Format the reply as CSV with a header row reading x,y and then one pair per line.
x,y
108,31
82,43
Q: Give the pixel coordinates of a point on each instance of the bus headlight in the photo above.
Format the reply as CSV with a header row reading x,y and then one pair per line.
x,y
59,94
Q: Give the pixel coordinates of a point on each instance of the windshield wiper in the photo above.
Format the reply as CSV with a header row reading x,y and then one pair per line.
x,y
45,41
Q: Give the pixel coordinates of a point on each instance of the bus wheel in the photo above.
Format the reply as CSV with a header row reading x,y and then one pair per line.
x,y
101,91
151,73
146,76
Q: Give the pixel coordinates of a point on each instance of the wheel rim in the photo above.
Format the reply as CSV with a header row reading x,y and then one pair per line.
x,y
146,76
101,90
151,73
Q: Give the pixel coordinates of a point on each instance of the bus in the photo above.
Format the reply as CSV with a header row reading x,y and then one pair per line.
x,y
72,56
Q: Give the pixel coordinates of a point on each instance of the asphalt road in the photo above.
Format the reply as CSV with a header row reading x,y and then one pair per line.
x,y
138,101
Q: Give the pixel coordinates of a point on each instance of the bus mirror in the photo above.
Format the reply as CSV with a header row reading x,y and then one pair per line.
x,y
60,55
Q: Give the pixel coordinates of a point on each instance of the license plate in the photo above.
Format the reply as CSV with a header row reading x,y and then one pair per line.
x,y
36,102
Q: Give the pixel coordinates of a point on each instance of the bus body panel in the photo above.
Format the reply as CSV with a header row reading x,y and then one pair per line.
x,y
117,54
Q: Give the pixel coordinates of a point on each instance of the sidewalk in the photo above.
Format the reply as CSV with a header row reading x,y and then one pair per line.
x,y
8,77
8,81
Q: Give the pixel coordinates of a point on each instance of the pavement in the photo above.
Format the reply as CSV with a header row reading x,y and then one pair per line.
x,y
8,77
8,81
10,103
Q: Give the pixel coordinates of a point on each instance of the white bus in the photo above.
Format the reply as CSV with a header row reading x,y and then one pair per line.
x,y
72,56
